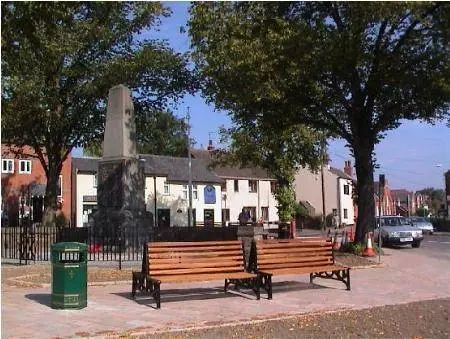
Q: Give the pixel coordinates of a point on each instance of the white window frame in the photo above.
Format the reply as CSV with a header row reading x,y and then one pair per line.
x,y
255,182
345,216
7,162
194,192
166,188
27,168
95,183
185,192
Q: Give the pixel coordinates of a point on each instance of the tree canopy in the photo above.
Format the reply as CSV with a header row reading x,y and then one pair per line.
x,y
59,61
354,70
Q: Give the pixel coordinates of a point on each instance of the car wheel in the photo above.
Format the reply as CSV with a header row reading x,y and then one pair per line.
x,y
415,244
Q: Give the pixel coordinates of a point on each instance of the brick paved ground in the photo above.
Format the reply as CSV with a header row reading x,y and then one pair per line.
x,y
406,277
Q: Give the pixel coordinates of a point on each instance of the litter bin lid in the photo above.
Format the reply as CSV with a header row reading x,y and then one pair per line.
x,y
69,247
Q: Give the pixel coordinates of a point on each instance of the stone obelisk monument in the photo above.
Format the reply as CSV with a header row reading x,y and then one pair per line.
x,y
120,189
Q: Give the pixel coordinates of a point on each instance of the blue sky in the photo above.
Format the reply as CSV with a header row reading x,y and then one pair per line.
x,y
407,156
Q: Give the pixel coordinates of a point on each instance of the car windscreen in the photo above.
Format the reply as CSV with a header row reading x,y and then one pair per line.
x,y
394,221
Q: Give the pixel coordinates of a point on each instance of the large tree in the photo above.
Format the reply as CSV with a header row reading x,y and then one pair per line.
x,y
58,62
355,70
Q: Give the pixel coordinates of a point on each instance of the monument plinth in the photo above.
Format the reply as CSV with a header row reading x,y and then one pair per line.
x,y
121,180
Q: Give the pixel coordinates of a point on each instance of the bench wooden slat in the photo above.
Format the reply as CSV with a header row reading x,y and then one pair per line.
x,y
293,250
194,243
308,269
173,271
202,277
197,260
233,247
270,260
296,245
206,254
294,266
189,264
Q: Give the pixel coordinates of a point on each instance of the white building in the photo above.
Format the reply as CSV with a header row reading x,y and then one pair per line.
x,y
215,198
250,188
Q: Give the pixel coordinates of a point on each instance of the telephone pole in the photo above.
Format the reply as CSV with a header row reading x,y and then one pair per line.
x,y
322,151
188,141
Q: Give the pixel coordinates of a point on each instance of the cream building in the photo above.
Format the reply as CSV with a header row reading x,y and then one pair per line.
x,y
338,187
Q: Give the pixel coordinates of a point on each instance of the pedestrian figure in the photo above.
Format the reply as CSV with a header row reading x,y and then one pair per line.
x,y
243,217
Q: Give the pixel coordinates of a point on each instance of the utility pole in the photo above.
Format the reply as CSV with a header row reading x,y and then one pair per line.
x,y
322,151
188,141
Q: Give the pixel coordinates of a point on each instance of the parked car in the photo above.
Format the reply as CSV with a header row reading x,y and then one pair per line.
x,y
397,230
422,223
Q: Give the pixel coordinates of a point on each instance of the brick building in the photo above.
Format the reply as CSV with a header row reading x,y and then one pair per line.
x,y
24,181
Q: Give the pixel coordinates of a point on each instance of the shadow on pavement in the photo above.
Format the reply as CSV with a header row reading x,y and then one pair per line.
x,y
42,298
289,286
169,295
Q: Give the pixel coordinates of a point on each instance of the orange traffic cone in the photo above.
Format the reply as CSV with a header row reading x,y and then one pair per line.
x,y
368,250
336,243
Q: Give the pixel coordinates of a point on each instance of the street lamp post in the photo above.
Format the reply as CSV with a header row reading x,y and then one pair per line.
x,y
445,190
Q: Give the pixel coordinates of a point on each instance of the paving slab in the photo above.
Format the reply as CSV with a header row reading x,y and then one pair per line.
x,y
406,276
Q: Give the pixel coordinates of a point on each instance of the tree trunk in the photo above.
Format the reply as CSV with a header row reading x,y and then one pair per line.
x,y
364,190
51,191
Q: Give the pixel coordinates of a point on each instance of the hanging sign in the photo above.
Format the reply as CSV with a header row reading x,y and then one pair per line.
x,y
210,194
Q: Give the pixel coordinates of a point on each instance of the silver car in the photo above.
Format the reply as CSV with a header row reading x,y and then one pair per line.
x,y
397,230
423,224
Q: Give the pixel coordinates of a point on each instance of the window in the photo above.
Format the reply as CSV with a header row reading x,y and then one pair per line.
x,y
25,166
185,192
95,180
346,190
8,166
224,186
253,186
166,188
273,186
334,212
236,185
345,213
225,214
194,192
265,213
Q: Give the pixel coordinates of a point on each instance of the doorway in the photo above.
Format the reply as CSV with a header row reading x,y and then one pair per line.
x,y
164,217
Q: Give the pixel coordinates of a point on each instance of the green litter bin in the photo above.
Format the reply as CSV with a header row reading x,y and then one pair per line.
x,y
69,275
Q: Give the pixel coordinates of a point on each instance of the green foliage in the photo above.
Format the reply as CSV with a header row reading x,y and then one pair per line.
x,y
160,133
353,70
61,221
300,211
422,212
280,153
60,59
436,198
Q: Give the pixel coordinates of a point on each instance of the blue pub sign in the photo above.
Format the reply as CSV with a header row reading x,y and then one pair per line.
x,y
210,194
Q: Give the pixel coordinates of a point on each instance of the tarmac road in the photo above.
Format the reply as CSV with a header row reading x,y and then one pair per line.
x,y
433,246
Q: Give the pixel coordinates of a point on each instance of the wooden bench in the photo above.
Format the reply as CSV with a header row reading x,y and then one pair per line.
x,y
178,262
295,256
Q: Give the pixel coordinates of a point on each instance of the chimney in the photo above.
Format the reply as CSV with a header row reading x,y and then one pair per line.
x,y
210,145
348,169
